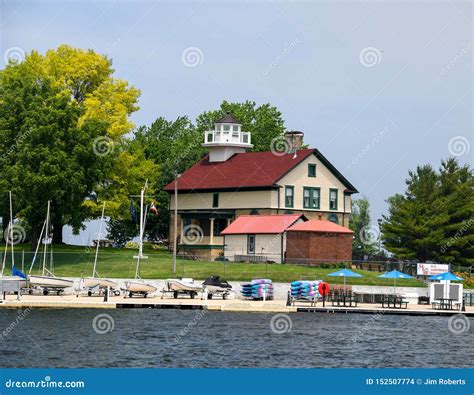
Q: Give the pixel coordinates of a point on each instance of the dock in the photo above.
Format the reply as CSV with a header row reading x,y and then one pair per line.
x,y
232,305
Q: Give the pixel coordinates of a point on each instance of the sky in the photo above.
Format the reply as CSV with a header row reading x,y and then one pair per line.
x,y
378,87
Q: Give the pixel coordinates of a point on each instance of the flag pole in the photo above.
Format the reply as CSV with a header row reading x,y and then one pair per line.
x,y
175,233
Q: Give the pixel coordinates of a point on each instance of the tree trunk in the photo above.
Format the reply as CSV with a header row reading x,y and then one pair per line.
x,y
57,230
35,234
5,221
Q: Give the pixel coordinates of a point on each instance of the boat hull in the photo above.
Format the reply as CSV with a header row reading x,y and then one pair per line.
x,y
50,282
92,282
180,285
139,287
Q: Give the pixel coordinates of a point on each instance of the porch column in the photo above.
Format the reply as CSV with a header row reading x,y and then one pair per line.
x,y
181,222
211,238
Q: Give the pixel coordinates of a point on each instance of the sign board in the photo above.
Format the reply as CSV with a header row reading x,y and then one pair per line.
x,y
431,269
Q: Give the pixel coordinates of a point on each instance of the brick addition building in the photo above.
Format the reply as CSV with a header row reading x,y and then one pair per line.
x,y
318,241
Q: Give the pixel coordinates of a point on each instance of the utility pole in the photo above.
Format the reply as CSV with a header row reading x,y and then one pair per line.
x,y
175,235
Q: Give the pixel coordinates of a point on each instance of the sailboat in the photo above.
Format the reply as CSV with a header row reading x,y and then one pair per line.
x,y
138,286
16,274
96,281
47,280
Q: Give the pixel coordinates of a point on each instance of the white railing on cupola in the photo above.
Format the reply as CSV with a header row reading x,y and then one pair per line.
x,y
227,136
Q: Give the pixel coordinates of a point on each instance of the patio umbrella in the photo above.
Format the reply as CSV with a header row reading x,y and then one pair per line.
x,y
395,274
446,276
344,273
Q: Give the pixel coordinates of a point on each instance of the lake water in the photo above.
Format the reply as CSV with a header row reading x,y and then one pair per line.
x,y
198,338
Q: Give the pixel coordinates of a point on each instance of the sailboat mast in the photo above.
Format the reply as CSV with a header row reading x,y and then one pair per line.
x,y
140,237
46,240
94,272
11,228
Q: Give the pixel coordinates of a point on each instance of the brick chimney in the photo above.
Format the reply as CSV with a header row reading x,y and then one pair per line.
x,y
295,140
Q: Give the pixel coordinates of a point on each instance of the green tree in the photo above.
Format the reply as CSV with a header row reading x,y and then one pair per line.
x,y
55,110
365,233
432,220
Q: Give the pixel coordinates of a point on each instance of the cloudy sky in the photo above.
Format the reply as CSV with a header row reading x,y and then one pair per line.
x,y
378,87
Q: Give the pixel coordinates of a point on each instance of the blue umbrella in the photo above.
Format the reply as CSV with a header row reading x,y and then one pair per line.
x,y
344,273
447,276
395,274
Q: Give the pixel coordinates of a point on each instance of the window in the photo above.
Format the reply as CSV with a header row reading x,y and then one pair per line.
x,y
311,170
215,200
250,244
235,128
332,199
333,218
289,196
218,127
311,197
226,128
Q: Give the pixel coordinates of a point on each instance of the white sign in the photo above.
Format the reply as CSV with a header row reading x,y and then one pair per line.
x,y
431,269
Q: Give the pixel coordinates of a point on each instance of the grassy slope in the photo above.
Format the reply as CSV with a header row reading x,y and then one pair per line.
x,y
73,261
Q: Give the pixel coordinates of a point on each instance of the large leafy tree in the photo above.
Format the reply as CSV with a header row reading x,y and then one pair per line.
x,y
56,110
432,220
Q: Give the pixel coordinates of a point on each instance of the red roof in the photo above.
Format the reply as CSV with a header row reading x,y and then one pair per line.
x,y
259,224
250,169
318,225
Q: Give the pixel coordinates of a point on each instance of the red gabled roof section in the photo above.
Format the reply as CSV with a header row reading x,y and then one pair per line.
x,y
319,226
245,170
261,224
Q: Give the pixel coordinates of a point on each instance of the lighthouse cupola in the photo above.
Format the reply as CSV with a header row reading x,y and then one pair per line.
x,y
226,139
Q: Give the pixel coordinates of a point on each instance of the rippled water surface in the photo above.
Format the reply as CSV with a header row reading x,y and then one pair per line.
x,y
194,338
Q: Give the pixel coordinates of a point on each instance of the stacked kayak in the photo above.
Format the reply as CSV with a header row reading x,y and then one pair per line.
x,y
305,289
259,288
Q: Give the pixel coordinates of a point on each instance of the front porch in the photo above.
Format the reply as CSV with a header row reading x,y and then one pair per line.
x,y
199,233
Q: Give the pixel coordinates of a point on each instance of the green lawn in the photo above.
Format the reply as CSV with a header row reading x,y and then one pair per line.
x,y
73,261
